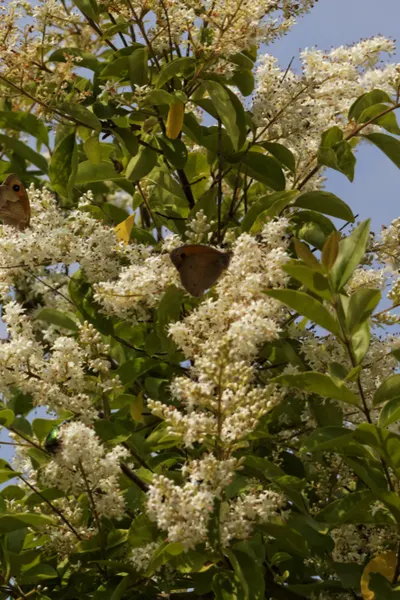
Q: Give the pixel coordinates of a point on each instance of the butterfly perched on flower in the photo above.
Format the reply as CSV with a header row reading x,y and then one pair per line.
x,y
199,266
14,203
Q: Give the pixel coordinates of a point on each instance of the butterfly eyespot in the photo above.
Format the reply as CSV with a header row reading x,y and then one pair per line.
x,y
16,188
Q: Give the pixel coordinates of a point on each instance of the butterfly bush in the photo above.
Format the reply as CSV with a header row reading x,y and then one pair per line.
x,y
197,451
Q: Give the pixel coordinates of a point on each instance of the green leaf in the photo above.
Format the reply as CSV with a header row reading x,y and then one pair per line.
x,y
61,168
140,165
263,204
88,8
56,317
90,172
244,81
281,153
142,531
351,251
354,507
6,417
249,573
7,474
313,280
92,149
42,427
229,110
326,203
264,169
118,67
128,139
361,306
308,306
158,98
137,66
388,121
133,369
366,100
88,61
340,158
178,66
241,60
360,341
331,137
24,121
388,144
164,553
389,389
38,573
318,383
14,521
226,588
82,114
175,151
9,144
328,438
390,412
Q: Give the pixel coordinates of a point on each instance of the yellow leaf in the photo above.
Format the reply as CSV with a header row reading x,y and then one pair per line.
x,y
175,120
123,230
385,564
137,408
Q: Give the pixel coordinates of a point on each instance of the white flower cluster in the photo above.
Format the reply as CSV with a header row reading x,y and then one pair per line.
x,y
56,239
243,513
198,228
83,465
141,557
295,109
56,377
184,511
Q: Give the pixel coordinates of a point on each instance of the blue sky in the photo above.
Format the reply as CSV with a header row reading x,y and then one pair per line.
x,y
375,191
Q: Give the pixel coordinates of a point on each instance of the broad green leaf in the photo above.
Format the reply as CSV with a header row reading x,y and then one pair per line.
x,y
141,531
229,110
262,205
24,121
128,139
340,157
118,67
61,168
320,384
326,203
140,165
388,144
360,341
241,60
226,588
249,573
38,573
361,306
389,389
88,8
174,151
133,369
328,438
82,114
264,169
7,474
281,153
331,137
92,149
305,254
42,427
24,151
390,412
308,306
351,251
89,172
163,554
56,317
13,521
388,121
158,98
173,68
313,280
88,61
330,250
244,81
109,32
354,507
138,69
366,100
6,417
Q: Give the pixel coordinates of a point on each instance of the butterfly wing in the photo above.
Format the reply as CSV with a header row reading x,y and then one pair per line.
x,y
199,266
14,203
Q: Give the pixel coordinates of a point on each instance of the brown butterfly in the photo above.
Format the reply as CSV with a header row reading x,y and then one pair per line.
x,y
14,203
199,266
